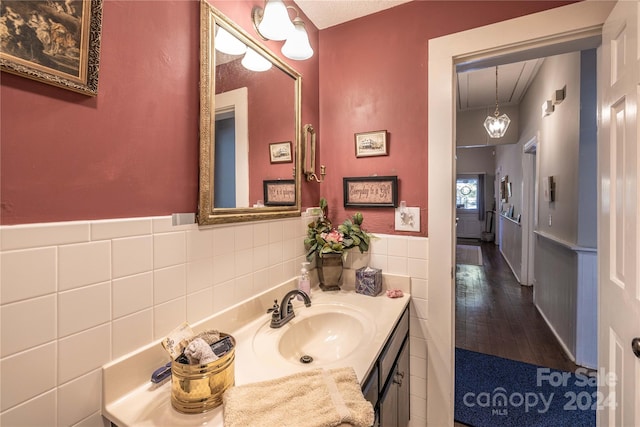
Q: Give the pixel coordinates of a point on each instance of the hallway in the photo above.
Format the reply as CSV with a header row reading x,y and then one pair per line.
x,y
495,315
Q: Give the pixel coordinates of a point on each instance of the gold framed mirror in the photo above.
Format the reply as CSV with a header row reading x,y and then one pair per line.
x,y
249,126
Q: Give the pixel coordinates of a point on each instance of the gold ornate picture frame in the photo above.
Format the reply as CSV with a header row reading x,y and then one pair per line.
x,y
55,42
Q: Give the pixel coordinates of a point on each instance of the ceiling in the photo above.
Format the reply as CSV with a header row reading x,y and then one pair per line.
x,y
476,87
327,13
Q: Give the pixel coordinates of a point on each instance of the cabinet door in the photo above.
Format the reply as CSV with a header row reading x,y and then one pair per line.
x,y
389,406
402,381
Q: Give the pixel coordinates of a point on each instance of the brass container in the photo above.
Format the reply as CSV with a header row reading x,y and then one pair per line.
x,y
199,388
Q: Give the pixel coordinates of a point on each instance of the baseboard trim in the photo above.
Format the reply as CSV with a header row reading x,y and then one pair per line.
x,y
553,330
510,266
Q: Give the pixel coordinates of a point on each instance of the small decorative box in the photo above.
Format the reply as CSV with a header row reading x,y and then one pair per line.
x,y
368,281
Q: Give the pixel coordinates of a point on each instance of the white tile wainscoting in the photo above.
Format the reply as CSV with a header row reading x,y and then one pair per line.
x,y
76,295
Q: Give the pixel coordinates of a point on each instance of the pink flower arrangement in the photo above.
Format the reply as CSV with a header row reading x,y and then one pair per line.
x,y
334,236
322,238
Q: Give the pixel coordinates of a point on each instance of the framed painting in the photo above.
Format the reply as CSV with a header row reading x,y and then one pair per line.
x,y
371,191
504,189
54,41
279,192
371,143
280,152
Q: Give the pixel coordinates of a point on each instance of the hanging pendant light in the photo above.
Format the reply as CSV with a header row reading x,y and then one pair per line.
x,y
497,124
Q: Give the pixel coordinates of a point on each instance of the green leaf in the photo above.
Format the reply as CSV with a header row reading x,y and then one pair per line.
x,y
358,218
326,250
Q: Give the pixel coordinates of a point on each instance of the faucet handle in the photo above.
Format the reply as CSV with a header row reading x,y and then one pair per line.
x,y
275,309
289,308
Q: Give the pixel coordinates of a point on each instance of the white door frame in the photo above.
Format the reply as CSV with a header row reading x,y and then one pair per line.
x,y
237,101
564,28
529,201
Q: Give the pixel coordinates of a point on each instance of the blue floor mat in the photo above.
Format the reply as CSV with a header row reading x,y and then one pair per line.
x,y
492,392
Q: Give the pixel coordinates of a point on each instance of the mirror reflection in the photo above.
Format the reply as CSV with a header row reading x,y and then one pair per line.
x,y
250,121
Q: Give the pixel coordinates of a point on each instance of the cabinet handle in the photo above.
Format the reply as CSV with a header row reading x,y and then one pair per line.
x,y
395,378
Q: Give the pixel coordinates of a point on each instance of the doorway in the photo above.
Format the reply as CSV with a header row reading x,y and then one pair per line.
x,y
571,26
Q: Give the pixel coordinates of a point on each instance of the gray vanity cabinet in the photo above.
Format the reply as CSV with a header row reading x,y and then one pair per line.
x,y
387,386
394,402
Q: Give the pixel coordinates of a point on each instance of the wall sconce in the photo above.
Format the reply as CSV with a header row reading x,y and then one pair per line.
x,y
559,95
309,168
547,108
273,23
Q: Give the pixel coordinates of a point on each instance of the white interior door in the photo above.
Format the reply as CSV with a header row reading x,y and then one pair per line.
x,y
619,234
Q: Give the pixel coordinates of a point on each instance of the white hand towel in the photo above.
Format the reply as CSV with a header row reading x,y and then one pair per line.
x,y
316,398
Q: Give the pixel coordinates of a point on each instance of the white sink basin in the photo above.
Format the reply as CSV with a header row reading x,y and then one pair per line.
x,y
326,333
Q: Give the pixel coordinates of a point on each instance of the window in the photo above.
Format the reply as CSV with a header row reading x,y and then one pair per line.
x,y
467,194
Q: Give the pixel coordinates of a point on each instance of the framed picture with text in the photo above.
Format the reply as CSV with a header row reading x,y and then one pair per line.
x,y
371,191
279,192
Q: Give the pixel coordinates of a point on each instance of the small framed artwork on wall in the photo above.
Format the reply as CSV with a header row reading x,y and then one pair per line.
x,y
370,144
280,152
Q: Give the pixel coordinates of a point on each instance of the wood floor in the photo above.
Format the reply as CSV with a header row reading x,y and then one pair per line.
x,y
495,315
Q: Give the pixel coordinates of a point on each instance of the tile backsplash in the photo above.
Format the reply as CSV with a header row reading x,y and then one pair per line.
x,y
76,295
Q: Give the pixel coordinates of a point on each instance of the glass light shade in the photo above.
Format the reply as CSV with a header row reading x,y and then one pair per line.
x,y
497,126
226,43
297,45
254,61
275,24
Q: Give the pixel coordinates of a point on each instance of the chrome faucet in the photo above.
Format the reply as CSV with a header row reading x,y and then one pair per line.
x,y
281,315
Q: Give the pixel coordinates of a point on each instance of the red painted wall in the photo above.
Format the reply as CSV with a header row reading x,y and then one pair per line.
x,y
271,112
373,75
133,149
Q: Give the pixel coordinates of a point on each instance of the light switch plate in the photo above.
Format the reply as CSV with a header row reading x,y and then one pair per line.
x,y
183,218
409,221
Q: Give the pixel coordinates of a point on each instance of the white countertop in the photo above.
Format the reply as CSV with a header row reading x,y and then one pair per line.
x,y
130,399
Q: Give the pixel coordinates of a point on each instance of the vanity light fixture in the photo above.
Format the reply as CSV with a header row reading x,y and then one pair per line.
x,y
227,43
273,23
497,124
255,62
297,45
